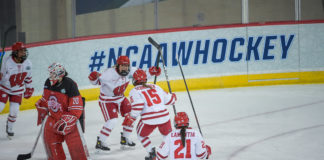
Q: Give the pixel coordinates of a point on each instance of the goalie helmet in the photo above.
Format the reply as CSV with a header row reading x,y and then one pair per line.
x,y
56,71
123,60
139,77
16,47
181,120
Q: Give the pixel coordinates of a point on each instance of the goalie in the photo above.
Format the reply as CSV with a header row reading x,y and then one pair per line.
x,y
62,103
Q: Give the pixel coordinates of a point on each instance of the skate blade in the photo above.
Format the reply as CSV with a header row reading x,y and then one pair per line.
x,y
126,147
100,151
9,137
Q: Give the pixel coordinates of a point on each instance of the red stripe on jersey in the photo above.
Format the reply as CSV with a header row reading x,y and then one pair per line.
x,y
127,130
150,113
106,134
107,129
104,111
201,155
139,104
145,145
160,156
108,99
145,139
172,97
10,90
154,117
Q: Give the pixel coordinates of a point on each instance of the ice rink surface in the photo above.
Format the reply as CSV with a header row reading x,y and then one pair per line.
x,y
282,122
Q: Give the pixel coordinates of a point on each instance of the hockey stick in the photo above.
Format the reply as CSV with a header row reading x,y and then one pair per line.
x,y
157,46
29,155
84,144
82,117
184,79
158,56
4,43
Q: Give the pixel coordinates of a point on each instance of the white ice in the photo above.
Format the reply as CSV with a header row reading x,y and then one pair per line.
x,y
282,122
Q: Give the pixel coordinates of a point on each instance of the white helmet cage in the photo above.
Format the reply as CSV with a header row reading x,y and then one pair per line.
x,y
56,71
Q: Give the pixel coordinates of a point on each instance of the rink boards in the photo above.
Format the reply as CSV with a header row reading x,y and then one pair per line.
x,y
211,57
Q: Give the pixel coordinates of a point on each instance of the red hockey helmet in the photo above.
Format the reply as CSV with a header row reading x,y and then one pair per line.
x,y
181,119
139,76
18,46
123,60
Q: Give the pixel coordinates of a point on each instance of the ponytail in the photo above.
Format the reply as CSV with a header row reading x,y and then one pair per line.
x,y
183,135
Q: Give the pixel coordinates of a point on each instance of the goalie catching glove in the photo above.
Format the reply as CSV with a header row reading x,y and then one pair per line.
x,y
155,71
65,125
28,92
129,120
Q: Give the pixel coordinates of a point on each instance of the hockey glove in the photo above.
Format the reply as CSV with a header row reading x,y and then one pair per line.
x,y
208,151
65,125
28,92
93,76
155,71
42,110
129,120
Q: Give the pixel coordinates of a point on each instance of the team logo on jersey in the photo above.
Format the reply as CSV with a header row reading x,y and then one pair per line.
x,y
28,68
75,100
53,104
63,91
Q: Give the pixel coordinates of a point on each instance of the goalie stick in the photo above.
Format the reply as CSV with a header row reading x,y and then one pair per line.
x,y
82,117
29,155
157,46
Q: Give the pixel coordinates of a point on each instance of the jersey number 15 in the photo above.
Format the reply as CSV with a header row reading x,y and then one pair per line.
x,y
151,97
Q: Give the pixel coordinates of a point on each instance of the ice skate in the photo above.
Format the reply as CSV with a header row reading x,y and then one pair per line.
x,y
9,131
126,142
101,146
151,155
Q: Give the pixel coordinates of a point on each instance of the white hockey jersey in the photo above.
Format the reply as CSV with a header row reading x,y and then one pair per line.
x,y
16,76
172,146
150,103
113,85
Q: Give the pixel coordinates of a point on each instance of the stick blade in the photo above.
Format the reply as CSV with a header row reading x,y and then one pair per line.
x,y
154,43
24,156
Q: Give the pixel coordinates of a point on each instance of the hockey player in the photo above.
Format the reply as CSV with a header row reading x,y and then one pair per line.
x,y
112,101
183,143
62,103
16,82
149,101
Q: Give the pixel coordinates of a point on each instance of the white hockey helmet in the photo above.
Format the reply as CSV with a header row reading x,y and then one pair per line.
x,y
56,72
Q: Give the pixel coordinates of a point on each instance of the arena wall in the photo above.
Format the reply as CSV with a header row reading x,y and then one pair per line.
x,y
212,57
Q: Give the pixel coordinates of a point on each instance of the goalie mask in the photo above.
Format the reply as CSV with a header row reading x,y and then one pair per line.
x,y
19,46
56,73
139,77
123,65
181,120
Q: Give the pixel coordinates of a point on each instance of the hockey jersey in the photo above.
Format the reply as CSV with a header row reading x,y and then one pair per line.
x,y
150,102
113,85
62,99
172,146
15,76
